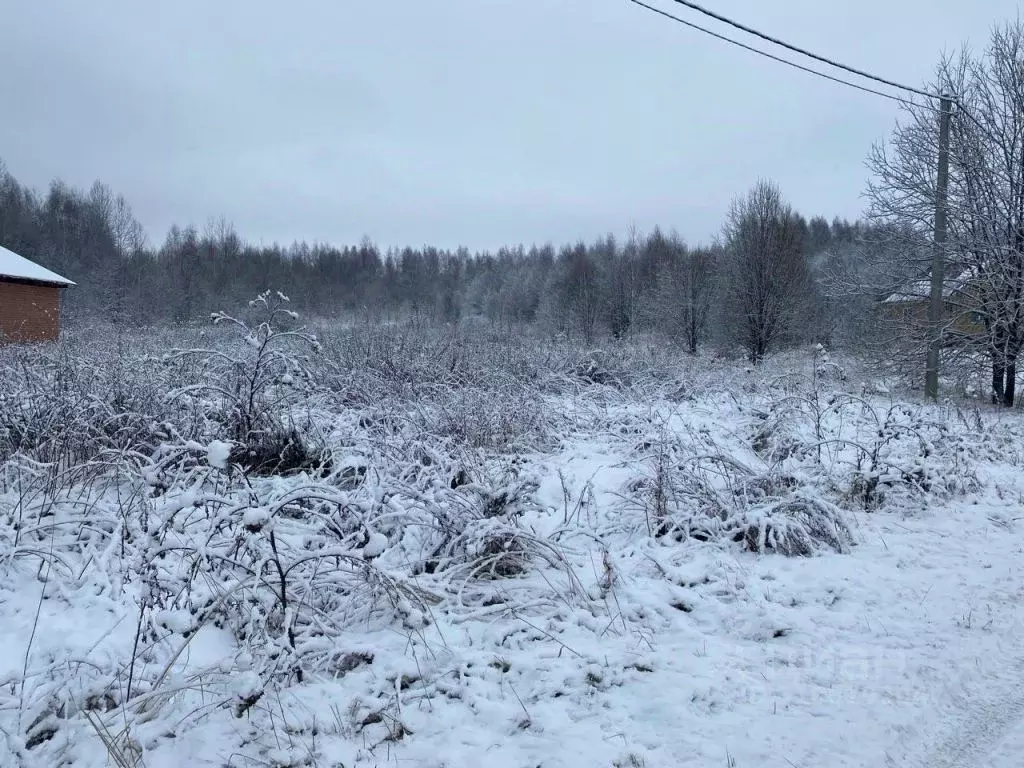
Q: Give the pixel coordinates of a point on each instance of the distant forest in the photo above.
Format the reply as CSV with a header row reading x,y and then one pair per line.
x,y
611,287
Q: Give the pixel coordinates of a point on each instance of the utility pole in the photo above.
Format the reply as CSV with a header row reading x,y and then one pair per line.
x,y
935,306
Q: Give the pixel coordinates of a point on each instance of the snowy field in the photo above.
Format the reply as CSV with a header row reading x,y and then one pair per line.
x,y
415,546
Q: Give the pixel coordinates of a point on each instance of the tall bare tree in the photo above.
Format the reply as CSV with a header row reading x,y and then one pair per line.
x,y
768,283
619,266
986,196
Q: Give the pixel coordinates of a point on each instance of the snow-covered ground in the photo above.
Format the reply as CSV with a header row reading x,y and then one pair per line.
x,y
606,587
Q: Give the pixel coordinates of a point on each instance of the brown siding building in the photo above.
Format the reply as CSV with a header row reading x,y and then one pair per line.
x,y
30,298
961,306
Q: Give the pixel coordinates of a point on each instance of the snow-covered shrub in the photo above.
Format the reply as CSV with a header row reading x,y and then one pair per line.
x,y
596,367
483,418
249,388
868,453
777,436
715,498
909,456
794,526
284,568
476,530
63,403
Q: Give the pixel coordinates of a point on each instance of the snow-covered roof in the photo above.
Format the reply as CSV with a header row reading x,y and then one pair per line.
x,y
19,268
922,289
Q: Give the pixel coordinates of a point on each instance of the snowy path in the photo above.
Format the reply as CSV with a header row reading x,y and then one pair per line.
x,y
987,727
992,737
1008,752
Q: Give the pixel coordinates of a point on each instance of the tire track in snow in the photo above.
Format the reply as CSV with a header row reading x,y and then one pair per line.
x,y
985,719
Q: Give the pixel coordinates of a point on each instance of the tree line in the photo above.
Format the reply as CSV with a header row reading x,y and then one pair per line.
x,y
765,283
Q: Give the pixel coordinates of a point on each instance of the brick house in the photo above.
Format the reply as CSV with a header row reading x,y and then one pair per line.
x,y
29,300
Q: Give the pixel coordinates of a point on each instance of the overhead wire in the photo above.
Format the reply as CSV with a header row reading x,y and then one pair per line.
x,y
802,51
779,59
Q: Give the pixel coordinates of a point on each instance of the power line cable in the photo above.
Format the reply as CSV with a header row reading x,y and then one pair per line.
x,y
773,57
802,51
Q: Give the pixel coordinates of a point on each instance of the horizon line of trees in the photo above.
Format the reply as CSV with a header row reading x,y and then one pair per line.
x,y
770,281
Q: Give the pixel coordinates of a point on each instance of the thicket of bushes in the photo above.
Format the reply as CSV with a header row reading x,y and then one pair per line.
x,y
284,484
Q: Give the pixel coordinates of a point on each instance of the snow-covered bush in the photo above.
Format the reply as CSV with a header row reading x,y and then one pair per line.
x,y
714,497
61,404
797,525
808,455
250,389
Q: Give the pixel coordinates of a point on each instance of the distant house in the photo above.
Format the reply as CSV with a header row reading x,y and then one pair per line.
x,y
29,300
960,300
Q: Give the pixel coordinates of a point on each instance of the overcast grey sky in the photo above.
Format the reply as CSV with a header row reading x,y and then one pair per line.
x,y
476,122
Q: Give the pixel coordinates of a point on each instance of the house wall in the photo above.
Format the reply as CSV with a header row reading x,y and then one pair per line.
x,y
915,314
29,312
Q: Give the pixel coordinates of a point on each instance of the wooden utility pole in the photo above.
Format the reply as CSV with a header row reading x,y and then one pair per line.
x,y
936,305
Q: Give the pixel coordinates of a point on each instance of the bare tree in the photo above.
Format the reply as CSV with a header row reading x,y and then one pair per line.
x,y
619,266
696,295
768,283
986,197
579,290
685,295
